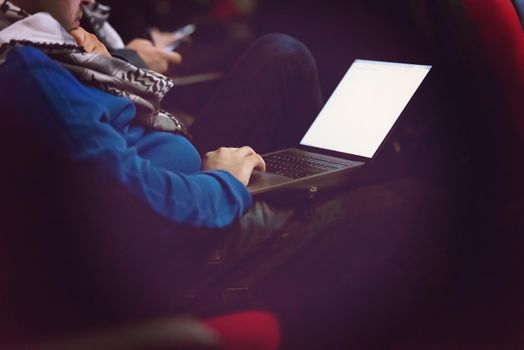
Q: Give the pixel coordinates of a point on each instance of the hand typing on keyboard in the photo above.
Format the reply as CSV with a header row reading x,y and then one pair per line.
x,y
297,165
240,162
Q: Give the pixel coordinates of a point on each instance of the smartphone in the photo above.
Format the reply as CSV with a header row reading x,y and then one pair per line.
x,y
180,35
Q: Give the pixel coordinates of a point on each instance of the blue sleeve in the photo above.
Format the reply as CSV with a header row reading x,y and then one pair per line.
x,y
79,118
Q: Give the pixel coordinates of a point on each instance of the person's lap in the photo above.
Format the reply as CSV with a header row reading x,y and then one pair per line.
x,y
363,252
355,262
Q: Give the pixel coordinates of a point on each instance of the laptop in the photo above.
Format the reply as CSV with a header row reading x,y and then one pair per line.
x,y
348,131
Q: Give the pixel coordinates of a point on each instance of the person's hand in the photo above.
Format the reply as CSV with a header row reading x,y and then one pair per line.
x,y
89,41
155,58
240,162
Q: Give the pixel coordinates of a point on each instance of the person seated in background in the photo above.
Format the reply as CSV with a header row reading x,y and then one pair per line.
x,y
224,29
214,48
141,52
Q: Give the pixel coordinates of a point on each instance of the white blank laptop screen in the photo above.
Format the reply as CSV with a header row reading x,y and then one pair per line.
x,y
364,106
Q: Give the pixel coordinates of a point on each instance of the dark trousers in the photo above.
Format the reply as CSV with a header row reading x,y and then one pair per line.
x,y
267,101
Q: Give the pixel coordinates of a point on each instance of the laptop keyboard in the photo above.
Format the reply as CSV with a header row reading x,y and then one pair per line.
x,y
298,165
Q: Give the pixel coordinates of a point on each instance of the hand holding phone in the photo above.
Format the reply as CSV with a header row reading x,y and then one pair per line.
x,y
169,41
181,35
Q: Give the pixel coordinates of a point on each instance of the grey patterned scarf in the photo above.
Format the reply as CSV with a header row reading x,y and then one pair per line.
x,y
144,87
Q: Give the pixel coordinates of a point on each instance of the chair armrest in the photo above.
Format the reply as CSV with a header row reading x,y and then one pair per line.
x,y
197,78
180,333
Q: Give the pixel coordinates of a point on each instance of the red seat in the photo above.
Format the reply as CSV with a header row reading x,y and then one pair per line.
x,y
499,31
255,330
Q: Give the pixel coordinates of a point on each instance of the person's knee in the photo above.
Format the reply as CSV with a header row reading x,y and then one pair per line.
x,y
285,49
